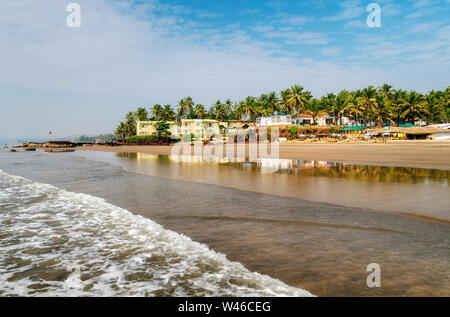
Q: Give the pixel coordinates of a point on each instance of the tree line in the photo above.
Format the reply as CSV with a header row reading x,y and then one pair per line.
x,y
376,106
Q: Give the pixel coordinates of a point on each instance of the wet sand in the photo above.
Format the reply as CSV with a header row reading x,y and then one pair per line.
x,y
319,247
419,154
404,190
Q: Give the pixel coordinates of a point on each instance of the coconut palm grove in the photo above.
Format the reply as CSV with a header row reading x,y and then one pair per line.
x,y
375,106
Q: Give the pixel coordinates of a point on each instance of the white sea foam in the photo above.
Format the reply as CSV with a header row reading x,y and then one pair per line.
x,y
58,243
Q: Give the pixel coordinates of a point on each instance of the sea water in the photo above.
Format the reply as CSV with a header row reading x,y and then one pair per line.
x,y
59,243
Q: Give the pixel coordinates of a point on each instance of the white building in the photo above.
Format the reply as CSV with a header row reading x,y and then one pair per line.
x,y
325,120
303,119
346,121
274,121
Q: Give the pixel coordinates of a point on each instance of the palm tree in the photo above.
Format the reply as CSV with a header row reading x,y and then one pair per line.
x,y
263,102
368,100
157,112
445,100
284,106
386,91
432,106
120,130
237,112
200,111
382,112
375,105
273,102
297,99
413,106
396,103
130,117
130,124
141,114
220,112
353,108
338,108
328,102
185,107
250,108
167,113
228,105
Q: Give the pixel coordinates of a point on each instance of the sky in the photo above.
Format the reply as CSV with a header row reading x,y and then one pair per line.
x,y
128,54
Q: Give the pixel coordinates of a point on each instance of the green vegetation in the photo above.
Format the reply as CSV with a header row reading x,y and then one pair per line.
x,y
128,128
162,128
377,105
140,139
294,130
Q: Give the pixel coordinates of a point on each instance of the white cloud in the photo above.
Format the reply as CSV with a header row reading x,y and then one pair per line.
x,y
355,24
330,51
126,55
424,27
419,13
262,28
292,37
295,20
422,3
351,9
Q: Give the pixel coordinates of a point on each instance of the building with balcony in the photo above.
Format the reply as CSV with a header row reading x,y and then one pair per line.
x,y
273,121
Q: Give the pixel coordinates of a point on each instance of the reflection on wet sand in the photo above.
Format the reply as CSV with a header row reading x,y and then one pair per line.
x,y
414,191
319,247
315,246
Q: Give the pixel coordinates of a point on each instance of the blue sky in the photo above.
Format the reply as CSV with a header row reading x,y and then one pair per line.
x,y
138,53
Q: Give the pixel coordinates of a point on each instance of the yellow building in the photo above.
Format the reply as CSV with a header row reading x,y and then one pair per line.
x,y
149,128
204,129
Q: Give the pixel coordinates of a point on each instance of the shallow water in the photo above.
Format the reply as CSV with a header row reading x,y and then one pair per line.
x,y
394,189
58,243
310,245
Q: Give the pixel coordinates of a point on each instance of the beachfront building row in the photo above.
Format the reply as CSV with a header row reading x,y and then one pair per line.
x,y
207,129
325,120
301,119
198,127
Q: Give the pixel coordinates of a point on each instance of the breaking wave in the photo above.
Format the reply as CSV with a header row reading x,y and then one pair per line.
x,y
58,243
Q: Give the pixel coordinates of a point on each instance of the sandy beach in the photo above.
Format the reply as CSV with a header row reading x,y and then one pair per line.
x,y
323,248
418,154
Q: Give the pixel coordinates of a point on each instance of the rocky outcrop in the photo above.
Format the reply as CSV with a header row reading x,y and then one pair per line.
x,y
51,144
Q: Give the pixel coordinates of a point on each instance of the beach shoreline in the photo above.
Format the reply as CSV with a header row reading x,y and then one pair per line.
x,y
319,247
415,154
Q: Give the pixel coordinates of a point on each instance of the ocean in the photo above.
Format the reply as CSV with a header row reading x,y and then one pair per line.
x,y
58,243
75,226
